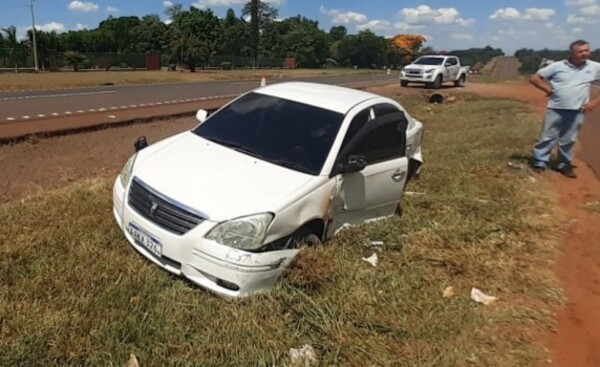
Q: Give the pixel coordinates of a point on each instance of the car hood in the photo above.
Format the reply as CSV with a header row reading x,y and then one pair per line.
x,y
217,181
421,67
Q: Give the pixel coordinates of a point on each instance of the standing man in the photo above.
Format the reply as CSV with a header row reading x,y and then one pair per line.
x,y
567,84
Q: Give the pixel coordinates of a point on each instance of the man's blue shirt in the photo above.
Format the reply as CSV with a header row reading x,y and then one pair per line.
x,y
570,84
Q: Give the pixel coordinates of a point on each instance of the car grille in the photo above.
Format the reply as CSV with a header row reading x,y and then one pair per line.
x,y
160,210
413,71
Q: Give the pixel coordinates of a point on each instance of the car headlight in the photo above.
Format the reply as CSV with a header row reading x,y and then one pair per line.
x,y
246,233
429,71
126,172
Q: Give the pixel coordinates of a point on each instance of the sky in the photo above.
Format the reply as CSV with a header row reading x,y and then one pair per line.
x,y
447,24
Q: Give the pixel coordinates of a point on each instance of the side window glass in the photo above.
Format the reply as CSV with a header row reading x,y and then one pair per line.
x,y
357,123
384,143
384,108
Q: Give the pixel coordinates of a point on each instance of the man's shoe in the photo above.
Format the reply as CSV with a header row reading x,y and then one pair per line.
x,y
567,171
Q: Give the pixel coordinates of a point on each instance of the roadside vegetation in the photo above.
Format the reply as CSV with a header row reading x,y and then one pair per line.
x,y
11,81
73,292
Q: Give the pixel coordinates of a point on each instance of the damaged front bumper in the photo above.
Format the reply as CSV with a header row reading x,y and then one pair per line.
x,y
220,269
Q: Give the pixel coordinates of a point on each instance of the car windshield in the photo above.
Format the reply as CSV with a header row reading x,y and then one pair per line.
x,y
283,132
429,61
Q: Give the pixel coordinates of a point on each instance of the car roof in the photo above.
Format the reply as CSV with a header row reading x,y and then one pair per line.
x,y
329,97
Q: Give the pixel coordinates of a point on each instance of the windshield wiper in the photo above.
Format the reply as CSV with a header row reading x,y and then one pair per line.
x,y
237,147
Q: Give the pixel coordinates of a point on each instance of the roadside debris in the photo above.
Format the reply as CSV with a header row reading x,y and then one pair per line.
x,y
480,297
343,227
515,166
371,259
305,355
377,243
132,362
448,292
412,193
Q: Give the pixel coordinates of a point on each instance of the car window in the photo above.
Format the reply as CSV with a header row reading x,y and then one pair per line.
x,y
279,131
382,144
383,109
357,123
453,61
429,61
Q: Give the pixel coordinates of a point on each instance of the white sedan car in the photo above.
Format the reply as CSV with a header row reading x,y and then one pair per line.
x,y
229,203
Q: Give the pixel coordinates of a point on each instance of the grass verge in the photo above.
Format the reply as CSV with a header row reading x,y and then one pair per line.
x,y
75,293
66,79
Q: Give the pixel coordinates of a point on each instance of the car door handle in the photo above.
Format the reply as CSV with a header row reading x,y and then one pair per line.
x,y
397,177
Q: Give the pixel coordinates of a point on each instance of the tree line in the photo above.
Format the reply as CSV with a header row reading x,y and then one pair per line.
x,y
255,38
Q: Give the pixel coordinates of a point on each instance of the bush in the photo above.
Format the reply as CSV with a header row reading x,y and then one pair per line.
x,y
105,63
172,67
226,65
124,65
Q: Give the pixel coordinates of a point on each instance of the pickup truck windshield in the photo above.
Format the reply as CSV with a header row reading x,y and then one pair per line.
x,y
429,61
276,130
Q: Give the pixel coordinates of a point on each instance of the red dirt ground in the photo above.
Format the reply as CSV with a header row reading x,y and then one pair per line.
x,y
40,164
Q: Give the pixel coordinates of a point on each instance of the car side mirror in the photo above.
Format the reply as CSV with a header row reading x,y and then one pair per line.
x,y
355,163
201,115
140,143
448,64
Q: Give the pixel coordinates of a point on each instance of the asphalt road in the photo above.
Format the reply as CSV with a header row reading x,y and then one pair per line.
x,y
44,104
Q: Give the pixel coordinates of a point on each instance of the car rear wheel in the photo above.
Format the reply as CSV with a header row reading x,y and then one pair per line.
x,y
461,81
437,83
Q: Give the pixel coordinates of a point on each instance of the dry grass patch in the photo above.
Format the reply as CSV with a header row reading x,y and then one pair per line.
x,y
75,293
11,81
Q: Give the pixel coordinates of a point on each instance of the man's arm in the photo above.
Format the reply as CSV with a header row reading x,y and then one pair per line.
x,y
541,84
591,104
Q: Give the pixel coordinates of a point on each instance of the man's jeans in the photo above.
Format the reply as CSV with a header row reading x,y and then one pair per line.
x,y
563,125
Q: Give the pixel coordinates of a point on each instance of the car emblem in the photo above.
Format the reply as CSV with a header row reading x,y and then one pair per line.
x,y
153,209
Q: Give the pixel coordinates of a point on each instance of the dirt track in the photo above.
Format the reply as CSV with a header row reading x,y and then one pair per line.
x,y
38,165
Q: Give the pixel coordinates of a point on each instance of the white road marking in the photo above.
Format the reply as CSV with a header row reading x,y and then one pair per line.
x,y
80,111
57,95
41,115
55,114
26,117
68,112
10,118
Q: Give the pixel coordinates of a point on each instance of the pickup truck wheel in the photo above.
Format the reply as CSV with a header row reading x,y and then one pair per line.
x,y
404,83
437,82
461,81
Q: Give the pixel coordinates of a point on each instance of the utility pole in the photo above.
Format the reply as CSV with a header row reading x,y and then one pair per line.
x,y
35,58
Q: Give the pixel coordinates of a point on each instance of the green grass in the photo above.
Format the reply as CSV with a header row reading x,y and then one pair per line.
x,y
73,292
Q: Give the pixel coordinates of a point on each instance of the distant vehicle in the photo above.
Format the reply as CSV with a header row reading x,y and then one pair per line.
x,y
228,204
434,70
546,62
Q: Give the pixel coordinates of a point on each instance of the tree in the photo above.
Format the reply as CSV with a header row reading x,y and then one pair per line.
x,y
234,35
338,33
363,50
148,35
15,52
74,59
403,48
261,14
47,44
120,31
193,36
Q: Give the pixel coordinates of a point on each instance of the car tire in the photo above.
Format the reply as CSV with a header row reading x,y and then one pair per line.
x,y
461,81
404,83
437,83
302,237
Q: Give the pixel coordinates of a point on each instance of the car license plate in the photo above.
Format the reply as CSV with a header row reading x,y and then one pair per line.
x,y
148,240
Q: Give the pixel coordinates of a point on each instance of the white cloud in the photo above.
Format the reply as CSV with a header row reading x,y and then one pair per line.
x,y
52,27
80,27
339,17
375,25
404,27
83,6
424,14
506,14
538,14
111,9
579,3
168,4
576,30
530,14
208,3
593,10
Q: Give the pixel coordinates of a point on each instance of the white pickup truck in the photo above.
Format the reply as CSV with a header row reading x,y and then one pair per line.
x,y
434,70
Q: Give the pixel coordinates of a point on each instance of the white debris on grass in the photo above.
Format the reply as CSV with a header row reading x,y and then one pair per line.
x,y
448,292
480,297
371,259
303,356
